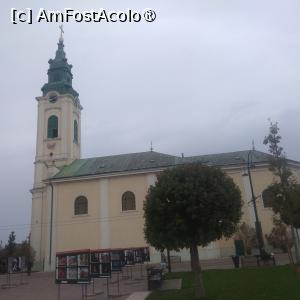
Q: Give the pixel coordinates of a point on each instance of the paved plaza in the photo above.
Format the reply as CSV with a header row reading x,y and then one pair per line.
x,y
130,284
41,286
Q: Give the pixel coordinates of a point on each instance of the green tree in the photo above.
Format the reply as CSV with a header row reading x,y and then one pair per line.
x,y
280,238
278,161
11,244
284,193
2,250
286,202
25,250
191,205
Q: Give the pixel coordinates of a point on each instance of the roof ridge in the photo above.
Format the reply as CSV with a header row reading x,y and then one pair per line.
x,y
126,154
231,152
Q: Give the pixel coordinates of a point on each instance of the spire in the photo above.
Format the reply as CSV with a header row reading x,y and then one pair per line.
x,y
59,72
253,145
61,39
60,54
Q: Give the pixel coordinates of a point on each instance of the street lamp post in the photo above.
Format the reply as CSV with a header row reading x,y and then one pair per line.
x,y
258,228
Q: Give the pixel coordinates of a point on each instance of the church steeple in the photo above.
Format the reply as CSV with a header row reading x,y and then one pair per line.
x,y
58,144
59,73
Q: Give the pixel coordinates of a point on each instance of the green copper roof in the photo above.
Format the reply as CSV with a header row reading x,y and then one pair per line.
x,y
151,160
59,73
230,158
117,163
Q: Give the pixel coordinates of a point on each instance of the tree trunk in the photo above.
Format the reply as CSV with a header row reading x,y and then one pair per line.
x,y
169,261
290,255
295,244
196,269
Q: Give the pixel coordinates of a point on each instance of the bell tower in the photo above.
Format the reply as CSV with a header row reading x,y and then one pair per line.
x,y
58,128
58,138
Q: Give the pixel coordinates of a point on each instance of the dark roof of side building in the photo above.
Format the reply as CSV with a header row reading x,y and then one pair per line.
x,y
153,160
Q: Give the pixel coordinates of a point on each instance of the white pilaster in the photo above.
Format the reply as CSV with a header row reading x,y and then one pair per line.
x,y
40,130
104,215
51,229
63,127
36,222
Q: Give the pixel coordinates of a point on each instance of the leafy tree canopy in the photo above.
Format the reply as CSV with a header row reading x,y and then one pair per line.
x,y
280,237
190,205
286,202
24,249
278,162
11,244
284,194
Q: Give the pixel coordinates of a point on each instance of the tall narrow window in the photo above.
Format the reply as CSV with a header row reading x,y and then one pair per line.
x,y
52,127
80,205
75,132
128,201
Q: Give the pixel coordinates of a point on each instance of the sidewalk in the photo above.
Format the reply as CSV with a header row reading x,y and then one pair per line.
x,y
41,286
132,283
138,296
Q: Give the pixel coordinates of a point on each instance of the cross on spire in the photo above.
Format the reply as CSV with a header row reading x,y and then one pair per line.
x,y
253,145
61,32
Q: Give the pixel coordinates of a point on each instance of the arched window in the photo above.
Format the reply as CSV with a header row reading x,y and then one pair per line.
x,y
75,132
128,201
81,206
52,127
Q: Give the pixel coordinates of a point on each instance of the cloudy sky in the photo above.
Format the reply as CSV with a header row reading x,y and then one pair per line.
x,y
203,78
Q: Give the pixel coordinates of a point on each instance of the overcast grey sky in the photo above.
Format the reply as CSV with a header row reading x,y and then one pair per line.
x,y
203,78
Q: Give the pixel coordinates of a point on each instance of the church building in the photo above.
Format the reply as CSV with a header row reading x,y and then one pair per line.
x,y
97,203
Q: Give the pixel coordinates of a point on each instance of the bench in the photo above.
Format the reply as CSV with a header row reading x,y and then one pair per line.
x,y
155,278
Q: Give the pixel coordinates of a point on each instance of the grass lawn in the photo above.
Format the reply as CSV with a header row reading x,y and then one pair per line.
x,y
269,283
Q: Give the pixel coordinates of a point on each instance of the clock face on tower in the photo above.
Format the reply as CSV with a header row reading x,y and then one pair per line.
x,y
52,97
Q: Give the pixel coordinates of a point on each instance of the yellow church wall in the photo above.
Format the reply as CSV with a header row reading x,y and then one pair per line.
x,y
73,232
127,226
124,229
261,178
238,179
77,231
226,245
